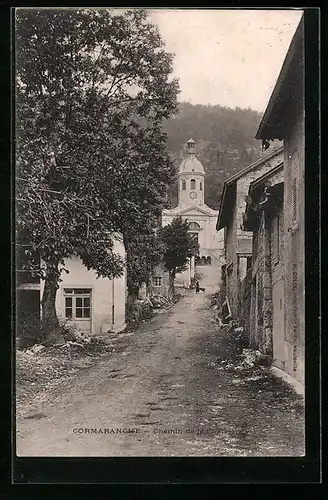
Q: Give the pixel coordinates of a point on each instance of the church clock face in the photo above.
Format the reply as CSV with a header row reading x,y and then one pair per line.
x,y
193,195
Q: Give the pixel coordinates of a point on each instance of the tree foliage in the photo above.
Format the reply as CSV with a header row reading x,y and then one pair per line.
x,y
180,245
145,251
92,89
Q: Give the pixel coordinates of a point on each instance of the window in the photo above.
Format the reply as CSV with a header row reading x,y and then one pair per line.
x,y
201,186
194,225
77,303
192,184
158,281
183,184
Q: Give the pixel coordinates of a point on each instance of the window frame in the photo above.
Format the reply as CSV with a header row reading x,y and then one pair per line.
x,y
155,279
193,184
194,226
78,297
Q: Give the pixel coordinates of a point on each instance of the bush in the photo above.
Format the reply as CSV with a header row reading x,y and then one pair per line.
x,y
137,311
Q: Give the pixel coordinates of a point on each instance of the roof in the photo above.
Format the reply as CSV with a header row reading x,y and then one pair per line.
x,y
286,90
191,164
229,185
272,180
204,209
266,176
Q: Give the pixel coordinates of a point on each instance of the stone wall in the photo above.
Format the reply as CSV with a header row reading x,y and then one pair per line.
x,y
239,242
261,295
163,289
245,301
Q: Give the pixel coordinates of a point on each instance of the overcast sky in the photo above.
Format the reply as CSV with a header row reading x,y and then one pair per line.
x,y
227,57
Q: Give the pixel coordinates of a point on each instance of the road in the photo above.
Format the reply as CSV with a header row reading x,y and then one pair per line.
x,y
161,394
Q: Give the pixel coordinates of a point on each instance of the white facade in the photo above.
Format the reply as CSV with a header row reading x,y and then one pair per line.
x,y
93,305
191,206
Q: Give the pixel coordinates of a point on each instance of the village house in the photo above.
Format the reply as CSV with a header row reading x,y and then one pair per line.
x,y
284,120
160,281
237,242
264,216
202,219
93,305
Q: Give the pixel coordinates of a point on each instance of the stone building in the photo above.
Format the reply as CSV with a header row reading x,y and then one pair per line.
x,y
238,243
160,281
191,206
264,217
284,120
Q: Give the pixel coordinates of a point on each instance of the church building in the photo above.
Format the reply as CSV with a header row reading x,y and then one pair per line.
x,y
191,206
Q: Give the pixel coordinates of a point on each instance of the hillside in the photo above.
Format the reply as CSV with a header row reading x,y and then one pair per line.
x,y
225,143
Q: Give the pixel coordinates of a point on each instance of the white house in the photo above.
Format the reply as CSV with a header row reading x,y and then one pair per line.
x,y
94,305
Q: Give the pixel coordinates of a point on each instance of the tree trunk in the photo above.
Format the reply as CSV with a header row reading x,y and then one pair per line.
x,y
50,324
171,291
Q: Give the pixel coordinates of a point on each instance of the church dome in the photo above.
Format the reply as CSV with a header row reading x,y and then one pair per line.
x,y
191,164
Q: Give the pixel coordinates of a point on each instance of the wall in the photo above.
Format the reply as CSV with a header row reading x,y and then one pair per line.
x,y
239,242
160,271
245,302
245,238
277,274
295,245
102,295
261,294
183,194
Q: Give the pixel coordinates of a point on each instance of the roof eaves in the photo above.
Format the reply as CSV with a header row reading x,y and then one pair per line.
x,y
220,214
266,176
249,168
271,131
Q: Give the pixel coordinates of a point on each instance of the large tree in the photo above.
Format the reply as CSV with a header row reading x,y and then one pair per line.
x,y
180,246
92,89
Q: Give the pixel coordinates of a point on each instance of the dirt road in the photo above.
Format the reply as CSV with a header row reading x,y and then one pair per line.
x,y
161,394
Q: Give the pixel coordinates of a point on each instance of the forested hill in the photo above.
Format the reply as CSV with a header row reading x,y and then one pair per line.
x,y
225,143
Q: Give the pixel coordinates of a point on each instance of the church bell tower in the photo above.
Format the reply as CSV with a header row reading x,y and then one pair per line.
x,y
191,179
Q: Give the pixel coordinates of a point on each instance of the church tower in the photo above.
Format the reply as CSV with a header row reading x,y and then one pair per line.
x,y
191,179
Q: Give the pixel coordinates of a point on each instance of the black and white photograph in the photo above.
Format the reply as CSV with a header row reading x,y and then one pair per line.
x,y
159,232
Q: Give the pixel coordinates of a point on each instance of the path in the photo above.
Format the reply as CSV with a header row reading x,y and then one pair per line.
x,y
165,387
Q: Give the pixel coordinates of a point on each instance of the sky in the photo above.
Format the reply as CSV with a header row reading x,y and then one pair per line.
x,y
227,57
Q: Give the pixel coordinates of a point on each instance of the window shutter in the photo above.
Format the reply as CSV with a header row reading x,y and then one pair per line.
x,y
294,201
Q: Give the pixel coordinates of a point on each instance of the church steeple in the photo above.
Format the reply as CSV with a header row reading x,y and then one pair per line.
x,y
191,178
191,147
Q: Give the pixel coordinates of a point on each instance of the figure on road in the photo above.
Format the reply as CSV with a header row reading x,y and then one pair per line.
x,y
197,287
